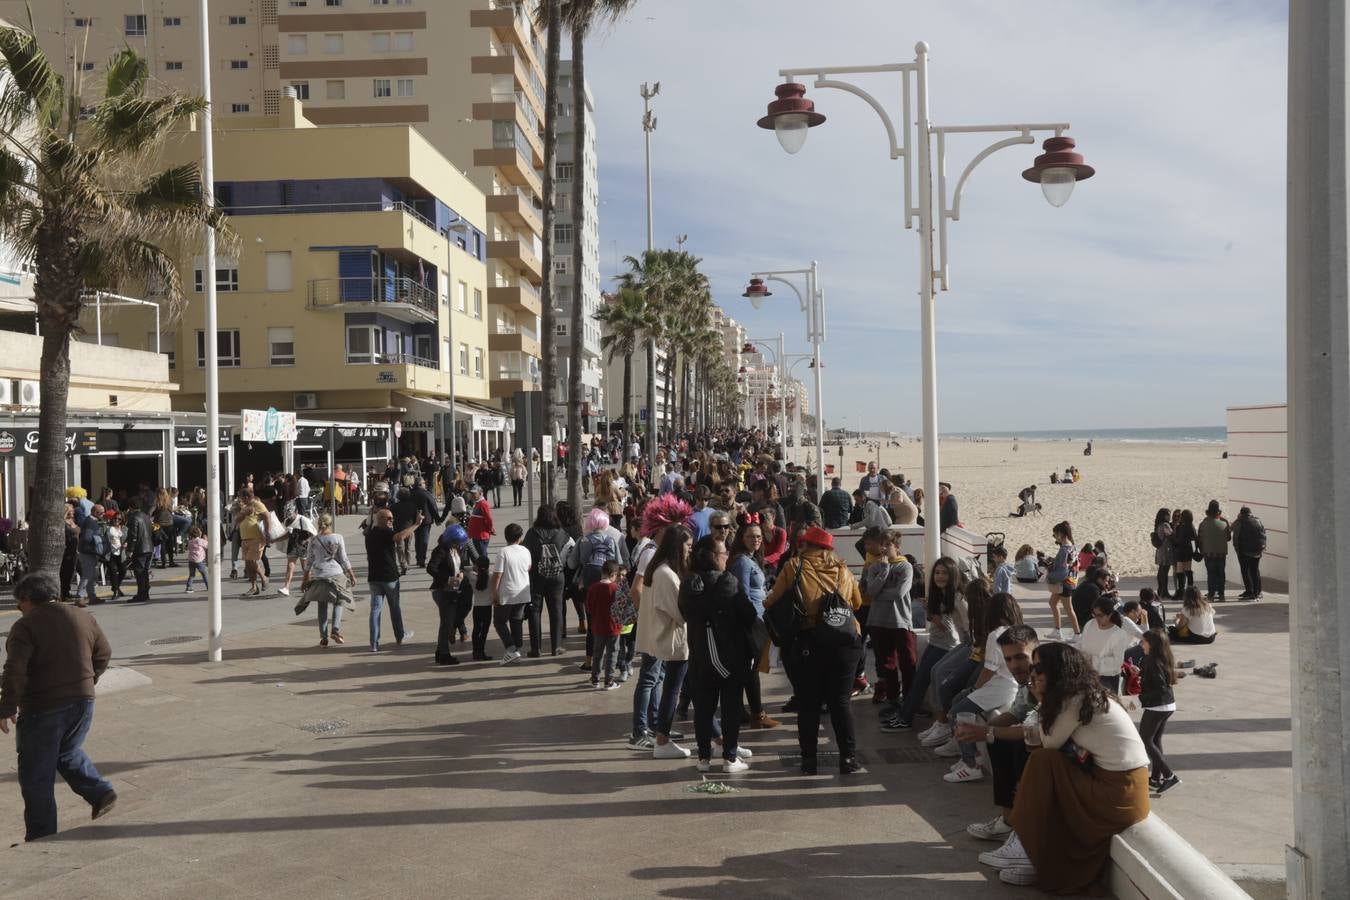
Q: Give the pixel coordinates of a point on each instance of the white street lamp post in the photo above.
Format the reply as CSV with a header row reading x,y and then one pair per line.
x,y
214,626
813,304
780,366
1056,170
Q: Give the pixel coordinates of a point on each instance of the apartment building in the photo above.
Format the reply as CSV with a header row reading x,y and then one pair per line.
x,y
466,74
577,220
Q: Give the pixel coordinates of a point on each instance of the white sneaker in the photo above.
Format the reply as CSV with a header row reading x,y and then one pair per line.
x,y
744,753
705,765
949,749
1010,854
929,731
1055,635
735,766
961,774
511,656
994,830
285,592
1024,875
669,750
937,738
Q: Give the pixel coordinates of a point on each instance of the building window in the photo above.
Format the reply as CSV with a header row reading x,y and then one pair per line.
x,y
477,362
477,303
464,359
560,266
298,4
279,270
84,22
337,90
281,346
383,88
238,64
168,346
135,26
562,233
227,279
86,67
239,107
301,89
238,20
379,42
563,172
405,87
227,348
297,44
332,43
365,343
333,3
463,305
562,202
173,21
564,109
173,66
445,355
403,41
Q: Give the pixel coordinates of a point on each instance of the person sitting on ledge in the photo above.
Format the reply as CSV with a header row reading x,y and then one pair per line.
x,y
1195,623
1026,565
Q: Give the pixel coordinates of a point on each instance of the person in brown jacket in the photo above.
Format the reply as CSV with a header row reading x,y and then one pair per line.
x,y
54,656
823,670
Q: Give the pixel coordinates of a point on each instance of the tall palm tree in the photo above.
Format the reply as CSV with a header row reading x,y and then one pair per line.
x,y
549,17
650,275
81,197
580,16
626,318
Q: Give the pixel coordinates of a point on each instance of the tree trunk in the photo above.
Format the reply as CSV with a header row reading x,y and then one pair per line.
x,y
578,327
684,392
628,398
46,537
548,364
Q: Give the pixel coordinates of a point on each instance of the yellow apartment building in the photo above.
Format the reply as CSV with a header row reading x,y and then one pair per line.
x,y
466,75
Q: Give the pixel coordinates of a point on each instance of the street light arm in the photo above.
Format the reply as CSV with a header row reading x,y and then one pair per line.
x,y
897,150
801,298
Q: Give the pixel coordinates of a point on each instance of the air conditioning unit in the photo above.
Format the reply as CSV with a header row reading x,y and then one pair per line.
x,y
306,401
29,394
6,392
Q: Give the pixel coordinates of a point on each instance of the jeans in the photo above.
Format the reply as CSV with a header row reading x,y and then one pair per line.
x,y
726,693
966,705
627,646
421,537
824,674
482,622
480,546
379,592
952,674
923,676
140,564
550,595
88,586
1214,575
509,622
196,568
1007,759
117,573
323,618
1250,566
675,670
1151,728
50,741
647,694
606,648
446,600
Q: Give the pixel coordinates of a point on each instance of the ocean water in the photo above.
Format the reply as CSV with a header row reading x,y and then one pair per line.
x,y
1198,434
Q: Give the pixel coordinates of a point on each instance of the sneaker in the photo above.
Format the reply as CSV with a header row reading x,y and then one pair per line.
x,y
744,753
285,592
896,724
1009,855
510,656
1209,671
595,683
104,805
676,735
611,685
1186,664
930,731
669,750
963,773
1167,784
585,664
1245,595
735,766
337,638
188,589
1023,875
323,642
407,636
849,765
940,734
234,573
860,686
791,705
640,742
622,676
949,750
994,830
704,765
1055,634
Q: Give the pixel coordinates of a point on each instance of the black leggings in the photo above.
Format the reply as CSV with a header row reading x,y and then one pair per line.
x,y
753,695
482,622
1191,638
1151,728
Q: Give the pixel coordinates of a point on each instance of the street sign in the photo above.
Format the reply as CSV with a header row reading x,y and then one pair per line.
x,y
642,414
398,429
546,449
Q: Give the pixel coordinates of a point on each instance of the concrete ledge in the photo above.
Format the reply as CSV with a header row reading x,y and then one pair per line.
x,y
120,678
1150,861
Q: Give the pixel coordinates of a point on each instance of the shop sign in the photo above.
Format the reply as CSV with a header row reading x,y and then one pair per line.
x,y
187,437
417,425
489,423
318,434
25,441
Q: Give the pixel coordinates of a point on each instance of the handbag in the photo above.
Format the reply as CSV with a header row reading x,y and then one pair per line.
x,y
273,530
1133,684
836,625
784,619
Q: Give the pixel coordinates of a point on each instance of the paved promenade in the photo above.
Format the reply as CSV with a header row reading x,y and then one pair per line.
x,y
317,773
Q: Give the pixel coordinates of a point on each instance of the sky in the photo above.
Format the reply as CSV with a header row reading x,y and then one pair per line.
x,y
1153,298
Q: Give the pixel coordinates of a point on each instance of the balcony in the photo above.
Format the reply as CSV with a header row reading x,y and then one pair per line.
x,y
518,209
507,21
514,340
507,110
518,254
394,359
514,164
506,60
506,382
521,298
399,298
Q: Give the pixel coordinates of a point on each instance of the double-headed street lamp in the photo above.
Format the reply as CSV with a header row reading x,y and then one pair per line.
x,y
1057,170
813,304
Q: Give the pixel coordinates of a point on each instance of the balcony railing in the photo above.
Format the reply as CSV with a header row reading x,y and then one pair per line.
x,y
403,291
393,359
279,209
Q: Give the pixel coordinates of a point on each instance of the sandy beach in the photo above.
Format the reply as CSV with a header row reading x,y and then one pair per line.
x,y
1122,486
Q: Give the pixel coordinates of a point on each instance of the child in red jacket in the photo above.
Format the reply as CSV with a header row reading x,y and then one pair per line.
x,y
604,630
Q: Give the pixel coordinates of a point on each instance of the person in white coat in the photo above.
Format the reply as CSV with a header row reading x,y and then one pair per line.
x,y
661,630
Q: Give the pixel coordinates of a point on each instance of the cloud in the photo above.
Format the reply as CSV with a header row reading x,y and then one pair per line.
x,y
1155,297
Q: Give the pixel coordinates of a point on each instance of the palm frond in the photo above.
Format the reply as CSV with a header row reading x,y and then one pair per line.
x,y
35,88
134,124
128,73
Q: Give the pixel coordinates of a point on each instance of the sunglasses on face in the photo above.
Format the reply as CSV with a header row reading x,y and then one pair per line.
x,y
722,526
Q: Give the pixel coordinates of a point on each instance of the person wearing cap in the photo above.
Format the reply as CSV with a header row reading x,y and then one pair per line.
x,y
445,571
1214,536
822,671
480,519
1249,540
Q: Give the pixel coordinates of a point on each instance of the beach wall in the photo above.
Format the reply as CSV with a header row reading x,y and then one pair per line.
x,y
1258,476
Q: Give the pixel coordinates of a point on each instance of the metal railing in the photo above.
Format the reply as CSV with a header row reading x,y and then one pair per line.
x,y
393,359
403,291
281,209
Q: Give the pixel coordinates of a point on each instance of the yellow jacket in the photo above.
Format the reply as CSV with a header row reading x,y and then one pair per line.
x,y
822,571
